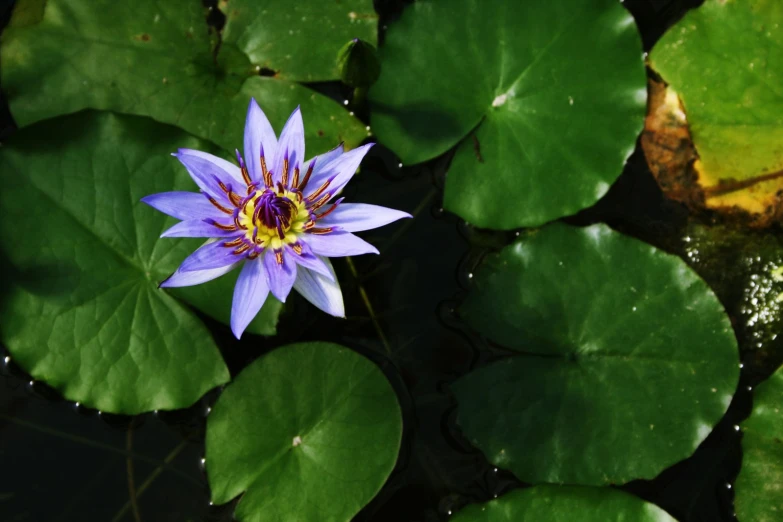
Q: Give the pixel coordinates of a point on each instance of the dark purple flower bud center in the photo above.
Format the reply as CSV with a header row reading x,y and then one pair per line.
x,y
274,211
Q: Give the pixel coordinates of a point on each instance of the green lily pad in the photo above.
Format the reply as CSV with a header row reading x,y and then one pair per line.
x,y
156,59
725,61
308,432
555,91
625,358
759,487
564,504
298,40
81,257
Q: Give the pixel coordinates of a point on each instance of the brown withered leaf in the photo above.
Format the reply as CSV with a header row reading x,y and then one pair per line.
x,y
674,161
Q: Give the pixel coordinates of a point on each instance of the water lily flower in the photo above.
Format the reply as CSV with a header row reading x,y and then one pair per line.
x,y
274,214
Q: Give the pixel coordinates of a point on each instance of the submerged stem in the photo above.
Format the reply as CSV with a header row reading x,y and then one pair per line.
x,y
368,305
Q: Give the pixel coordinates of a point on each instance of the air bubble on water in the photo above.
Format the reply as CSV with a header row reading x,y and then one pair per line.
x,y
470,275
7,359
728,486
345,102
351,113
736,427
742,365
399,165
749,388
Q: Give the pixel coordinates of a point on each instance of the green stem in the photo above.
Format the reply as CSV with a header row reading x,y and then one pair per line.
x,y
131,483
150,479
87,442
368,305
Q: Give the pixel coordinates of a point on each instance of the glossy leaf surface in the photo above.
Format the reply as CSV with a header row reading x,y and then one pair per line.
x,y
625,358
308,432
155,59
298,40
545,98
564,504
759,486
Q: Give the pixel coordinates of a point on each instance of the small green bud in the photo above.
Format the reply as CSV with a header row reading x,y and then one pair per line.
x,y
358,64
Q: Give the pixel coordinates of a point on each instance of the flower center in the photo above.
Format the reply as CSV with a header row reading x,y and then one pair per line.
x,y
273,211
273,218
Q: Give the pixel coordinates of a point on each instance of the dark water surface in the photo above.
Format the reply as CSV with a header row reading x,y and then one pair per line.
x,y
60,462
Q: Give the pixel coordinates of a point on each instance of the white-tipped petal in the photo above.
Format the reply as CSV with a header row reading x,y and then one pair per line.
x,y
320,290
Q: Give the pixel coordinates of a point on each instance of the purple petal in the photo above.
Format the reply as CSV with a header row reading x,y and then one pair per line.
x,y
231,169
181,205
308,260
211,255
180,278
341,169
321,291
291,146
321,161
280,276
338,244
207,175
250,293
355,217
259,136
197,228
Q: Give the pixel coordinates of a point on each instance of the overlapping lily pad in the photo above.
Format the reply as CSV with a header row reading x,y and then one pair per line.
x,y
308,432
157,59
759,487
298,40
725,62
79,306
564,504
545,98
625,359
